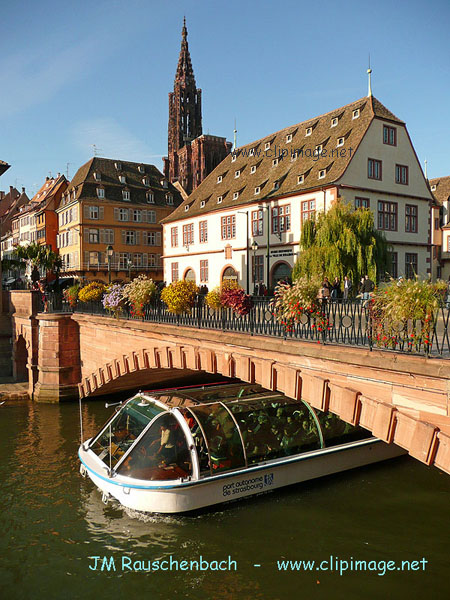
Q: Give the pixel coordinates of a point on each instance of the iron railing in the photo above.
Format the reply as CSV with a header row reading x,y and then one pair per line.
x,y
342,322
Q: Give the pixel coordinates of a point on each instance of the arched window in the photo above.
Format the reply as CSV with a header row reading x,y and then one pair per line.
x,y
281,272
229,273
190,275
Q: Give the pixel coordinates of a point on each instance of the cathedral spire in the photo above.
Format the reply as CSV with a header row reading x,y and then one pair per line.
x,y
185,72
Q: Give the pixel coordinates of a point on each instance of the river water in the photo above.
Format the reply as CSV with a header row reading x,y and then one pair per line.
x,y
52,521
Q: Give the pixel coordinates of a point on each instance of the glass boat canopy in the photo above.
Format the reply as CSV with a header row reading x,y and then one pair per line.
x,y
199,432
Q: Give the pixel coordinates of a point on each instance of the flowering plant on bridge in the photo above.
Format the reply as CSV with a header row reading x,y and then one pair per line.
x,y
299,303
404,311
138,293
71,295
217,298
92,292
236,299
113,299
179,296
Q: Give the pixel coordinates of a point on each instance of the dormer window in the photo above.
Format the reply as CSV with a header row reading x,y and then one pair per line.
x,y
251,152
340,141
322,173
122,179
97,176
275,162
118,166
355,114
334,122
219,178
308,131
150,196
235,195
202,204
141,169
126,195
237,174
433,188
276,185
169,199
267,146
146,180
100,193
289,138
294,156
252,169
300,179
319,149
186,208
164,183
257,190
219,200
233,157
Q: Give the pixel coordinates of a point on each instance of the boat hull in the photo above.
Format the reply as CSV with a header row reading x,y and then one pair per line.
x,y
184,496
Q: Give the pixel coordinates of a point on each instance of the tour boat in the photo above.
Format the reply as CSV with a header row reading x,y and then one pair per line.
x,y
182,449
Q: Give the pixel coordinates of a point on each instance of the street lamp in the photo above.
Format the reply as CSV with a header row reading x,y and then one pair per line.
x,y
241,212
254,248
265,207
109,255
130,266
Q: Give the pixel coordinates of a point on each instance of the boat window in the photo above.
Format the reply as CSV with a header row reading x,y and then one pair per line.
x,y
123,429
199,441
224,441
162,453
226,392
336,431
275,427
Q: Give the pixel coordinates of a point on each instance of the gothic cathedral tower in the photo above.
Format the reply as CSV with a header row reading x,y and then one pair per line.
x,y
191,155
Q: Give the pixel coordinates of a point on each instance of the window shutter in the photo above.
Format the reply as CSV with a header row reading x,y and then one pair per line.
x,y
116,214
86,235
127,214
101,212
158,260
158,238
138,238
57,241
111,234
75,258
86,211
102,234
86,258
75,212
145,259
124,236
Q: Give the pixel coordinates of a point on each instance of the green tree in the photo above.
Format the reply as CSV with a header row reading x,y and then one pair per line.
x,y
342,242
40,257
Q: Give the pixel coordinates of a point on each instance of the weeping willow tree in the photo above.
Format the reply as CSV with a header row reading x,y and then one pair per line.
x,y
342,242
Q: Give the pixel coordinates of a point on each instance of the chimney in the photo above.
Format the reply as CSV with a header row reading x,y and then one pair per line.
x,y
2,195
23,190
11,191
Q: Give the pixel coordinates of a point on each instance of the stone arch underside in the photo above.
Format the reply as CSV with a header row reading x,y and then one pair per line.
x,y
422,440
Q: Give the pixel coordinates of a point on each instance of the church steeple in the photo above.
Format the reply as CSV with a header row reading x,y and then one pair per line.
x,y
185,71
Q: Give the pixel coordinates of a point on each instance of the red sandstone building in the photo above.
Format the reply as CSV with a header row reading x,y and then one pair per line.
x,y
191,155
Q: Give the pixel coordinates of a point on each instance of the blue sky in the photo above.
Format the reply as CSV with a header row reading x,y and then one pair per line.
x,y
75,73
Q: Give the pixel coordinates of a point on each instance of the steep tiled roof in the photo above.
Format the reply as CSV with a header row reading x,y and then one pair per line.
x,y
276,178
442,191
3,166
85,184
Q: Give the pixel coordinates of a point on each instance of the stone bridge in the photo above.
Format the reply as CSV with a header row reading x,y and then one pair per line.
x,y
400,398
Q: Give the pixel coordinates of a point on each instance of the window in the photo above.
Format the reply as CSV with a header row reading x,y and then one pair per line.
x,y
100,192
251,152
202,204
123,260
123,214
288,138
93,236
355,114
308,209
300,179
228,226
411,218
237,174
257,222
275,162
276,185
394,264
433,188
410,265
235,195
219,179
281,218
233,157
169,199
188,234
203,231
219,200
141,169
252,169
136,216
387,216
97,176
153,238
130,238
174,237
362,203
186,208
334,122
203,271
340,141
118,166
164,183
401,174
318,150
137,260
146,181
258,269
125,194
93,212
308,131
106,236
174,271
374,169
257,190
122,179
267,146
322,173
389,135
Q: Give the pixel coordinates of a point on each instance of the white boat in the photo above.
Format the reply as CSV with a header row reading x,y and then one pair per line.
x,y
178,450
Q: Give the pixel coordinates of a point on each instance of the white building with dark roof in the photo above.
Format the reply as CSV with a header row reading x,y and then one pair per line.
x,y
244,220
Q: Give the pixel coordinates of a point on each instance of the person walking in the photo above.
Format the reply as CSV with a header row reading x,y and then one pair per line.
x,y
367,288
336,289
347,287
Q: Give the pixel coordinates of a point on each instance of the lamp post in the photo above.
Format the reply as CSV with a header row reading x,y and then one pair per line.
x,y
254,248
130,266
268,246
241,212
109,255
